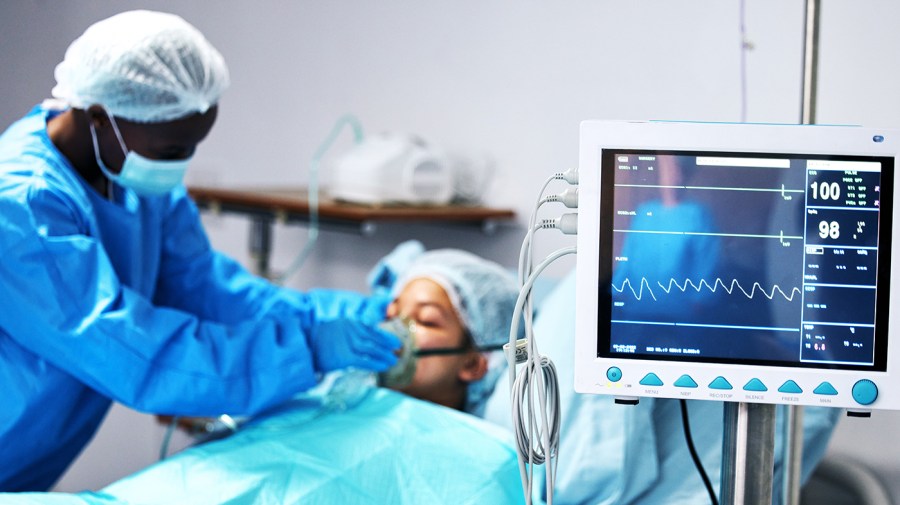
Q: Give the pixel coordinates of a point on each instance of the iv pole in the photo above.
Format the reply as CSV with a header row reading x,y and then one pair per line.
x,y
810,62
793,425
748,443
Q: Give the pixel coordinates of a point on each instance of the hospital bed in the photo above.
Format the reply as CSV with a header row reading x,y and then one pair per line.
x,y
387,448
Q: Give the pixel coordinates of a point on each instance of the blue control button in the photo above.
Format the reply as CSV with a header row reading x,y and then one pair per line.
x,y
651,379
685,381
825,389
755,385
790,387
614,374
865,392
720,383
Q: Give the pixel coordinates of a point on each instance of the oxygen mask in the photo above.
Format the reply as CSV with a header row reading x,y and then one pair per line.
x,y
402,373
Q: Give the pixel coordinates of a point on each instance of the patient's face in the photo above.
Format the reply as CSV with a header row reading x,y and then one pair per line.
x,y
438,378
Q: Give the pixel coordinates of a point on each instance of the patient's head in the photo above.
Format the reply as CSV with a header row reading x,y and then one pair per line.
x,y
459,307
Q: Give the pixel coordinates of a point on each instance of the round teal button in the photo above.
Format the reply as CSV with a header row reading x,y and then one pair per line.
x,y
614,374
865,392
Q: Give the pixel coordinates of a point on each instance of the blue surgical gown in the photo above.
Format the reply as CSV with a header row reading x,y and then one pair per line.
x,y
126,300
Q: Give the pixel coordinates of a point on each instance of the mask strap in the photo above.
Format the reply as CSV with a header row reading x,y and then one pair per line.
x,y
110,177
446,351
112,121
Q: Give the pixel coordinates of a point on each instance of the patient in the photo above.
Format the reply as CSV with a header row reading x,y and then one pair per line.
x,y
458,307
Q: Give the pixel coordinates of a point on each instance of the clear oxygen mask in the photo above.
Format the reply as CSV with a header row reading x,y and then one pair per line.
x,y
402,373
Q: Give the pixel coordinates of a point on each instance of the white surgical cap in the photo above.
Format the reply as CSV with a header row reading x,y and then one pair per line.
x,y
482,292
144,66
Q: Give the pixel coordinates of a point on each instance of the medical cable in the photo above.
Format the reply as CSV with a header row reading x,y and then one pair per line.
x,y
685,422
313,192
522,395
547,378
526,252
566,223
570,176
569,198
522,386
164,447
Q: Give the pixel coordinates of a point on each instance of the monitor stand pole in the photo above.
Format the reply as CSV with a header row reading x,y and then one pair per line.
x,y
748,454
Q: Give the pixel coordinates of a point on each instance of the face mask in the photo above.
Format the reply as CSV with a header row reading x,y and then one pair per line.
x,y
142,175
401,374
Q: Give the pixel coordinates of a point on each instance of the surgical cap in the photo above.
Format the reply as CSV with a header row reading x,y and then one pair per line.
x,y
144,66
482,292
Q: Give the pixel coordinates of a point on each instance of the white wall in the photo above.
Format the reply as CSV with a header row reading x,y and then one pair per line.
x,y
509,78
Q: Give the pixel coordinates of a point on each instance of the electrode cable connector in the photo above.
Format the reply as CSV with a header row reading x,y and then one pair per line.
x,y
566,223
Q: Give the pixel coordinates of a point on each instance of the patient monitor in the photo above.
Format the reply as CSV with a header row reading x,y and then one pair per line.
x,y
738,262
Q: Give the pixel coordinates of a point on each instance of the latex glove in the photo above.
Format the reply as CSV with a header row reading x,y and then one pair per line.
x,y
344,343
373,309
334,304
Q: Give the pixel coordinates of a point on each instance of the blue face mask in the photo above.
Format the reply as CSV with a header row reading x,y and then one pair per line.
x,y
142,175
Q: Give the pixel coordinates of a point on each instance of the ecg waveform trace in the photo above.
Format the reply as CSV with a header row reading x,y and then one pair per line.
x,y
688,283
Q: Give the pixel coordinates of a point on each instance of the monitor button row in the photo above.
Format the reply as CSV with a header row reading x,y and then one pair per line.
x,y
864,391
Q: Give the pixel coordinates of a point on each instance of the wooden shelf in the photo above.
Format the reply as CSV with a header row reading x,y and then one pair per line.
x,y
266,206
292,205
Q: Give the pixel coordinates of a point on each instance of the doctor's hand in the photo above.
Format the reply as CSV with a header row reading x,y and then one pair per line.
x,y
343,343
373,309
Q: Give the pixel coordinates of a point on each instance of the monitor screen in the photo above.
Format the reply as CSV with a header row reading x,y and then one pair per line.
x,y
752,258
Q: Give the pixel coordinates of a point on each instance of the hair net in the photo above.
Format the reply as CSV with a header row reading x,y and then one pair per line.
x,y
482,292
144,66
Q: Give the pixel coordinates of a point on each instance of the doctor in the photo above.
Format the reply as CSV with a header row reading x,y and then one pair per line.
x,y
109,289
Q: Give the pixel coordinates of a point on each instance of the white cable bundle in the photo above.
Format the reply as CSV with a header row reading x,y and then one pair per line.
x,y
534,394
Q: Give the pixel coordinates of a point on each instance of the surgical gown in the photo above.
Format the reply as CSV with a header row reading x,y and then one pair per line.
x,y
126,300
618,454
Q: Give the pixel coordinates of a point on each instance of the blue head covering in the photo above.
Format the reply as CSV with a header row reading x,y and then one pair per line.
x,y
482,292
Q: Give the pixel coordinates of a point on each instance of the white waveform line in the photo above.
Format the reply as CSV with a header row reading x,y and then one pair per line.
x,y
639,294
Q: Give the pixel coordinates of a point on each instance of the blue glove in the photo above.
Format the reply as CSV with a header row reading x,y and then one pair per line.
x,y
343,343
373,309
335,304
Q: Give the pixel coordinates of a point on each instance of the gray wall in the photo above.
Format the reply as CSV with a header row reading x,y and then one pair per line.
x,y
512,79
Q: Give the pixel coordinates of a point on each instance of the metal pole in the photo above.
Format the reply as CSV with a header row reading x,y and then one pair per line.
x,y
792,455
793,423
810,62
748,454
261,244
